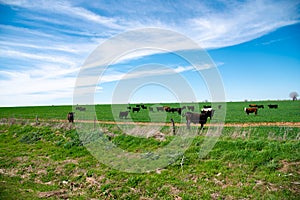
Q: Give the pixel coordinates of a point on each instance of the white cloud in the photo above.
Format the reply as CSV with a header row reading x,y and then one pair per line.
x,y
48,41
19,88
65,8
233,23
135,55
40,57
86,81
242,22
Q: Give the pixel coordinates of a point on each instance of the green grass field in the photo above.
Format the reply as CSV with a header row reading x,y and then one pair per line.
x,y
50,161
288,111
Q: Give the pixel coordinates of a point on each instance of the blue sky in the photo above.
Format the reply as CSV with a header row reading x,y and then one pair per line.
x,y
255,46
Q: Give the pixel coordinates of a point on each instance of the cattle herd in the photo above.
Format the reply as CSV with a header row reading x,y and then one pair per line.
x,y
253,108
190,115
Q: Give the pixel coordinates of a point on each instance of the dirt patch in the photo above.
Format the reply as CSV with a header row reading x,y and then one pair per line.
x,y
146,132
57,193
287,166
10,172
252,124
284,124
62,124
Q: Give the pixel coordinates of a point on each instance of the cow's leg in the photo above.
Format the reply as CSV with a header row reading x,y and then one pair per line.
x,y
188,122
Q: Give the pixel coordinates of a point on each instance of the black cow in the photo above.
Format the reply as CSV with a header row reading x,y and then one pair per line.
x,y
273,106
70,117
179,110
205,106
260,106
144,107
80,108
196,118
208,111
136,109
123,114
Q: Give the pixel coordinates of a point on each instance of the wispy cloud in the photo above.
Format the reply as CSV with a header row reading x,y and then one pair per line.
x,y
23,89
38,57
242,22
222,24
149,71
56,37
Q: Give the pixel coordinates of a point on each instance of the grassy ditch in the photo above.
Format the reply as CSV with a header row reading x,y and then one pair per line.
x,y
246,163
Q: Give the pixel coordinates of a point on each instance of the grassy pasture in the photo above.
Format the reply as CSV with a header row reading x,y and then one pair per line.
x,y
246,163
288,111
49,160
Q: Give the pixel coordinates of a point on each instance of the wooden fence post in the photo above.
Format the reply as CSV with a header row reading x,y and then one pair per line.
x,y
173,125
94,122
36,120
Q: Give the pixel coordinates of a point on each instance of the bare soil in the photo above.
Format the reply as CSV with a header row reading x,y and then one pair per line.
x,y
247,124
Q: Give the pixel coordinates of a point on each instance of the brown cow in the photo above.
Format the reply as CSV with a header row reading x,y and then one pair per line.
x,y
251,110
257,106
167,108
252,105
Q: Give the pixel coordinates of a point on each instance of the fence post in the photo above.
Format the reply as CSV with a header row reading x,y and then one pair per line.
x,y
36,120
94,122
173,125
